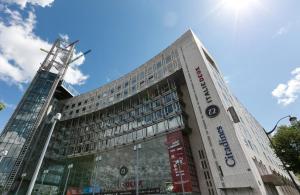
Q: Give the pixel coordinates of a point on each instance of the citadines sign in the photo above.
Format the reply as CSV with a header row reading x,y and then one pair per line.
x,y
229,158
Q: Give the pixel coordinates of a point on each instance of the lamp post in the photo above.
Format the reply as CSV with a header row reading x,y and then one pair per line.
x,y
70,166
22,177
56,118
97,159
179,164
136,148
292,120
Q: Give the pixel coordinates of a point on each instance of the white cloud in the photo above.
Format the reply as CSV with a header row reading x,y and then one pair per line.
x,y
20,54
227,79
282,30
23,3
289,92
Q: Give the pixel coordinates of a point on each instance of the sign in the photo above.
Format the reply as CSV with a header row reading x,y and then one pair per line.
x,y
123,170
203,86
212,111
177,151
229,158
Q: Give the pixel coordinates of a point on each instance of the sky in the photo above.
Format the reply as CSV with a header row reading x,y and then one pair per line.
x,y
255,43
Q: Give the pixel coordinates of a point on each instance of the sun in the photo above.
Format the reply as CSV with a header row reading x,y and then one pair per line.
x,y
239,6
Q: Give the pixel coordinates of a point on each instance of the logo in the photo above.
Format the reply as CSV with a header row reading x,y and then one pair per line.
x,y
212,111
229,158
123,170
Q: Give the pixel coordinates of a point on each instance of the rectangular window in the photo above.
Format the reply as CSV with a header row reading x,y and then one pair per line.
x,y
211,62
169,109
150,131
161,126
233,114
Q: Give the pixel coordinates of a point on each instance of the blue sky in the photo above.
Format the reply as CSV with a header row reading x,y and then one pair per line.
x,y
256,44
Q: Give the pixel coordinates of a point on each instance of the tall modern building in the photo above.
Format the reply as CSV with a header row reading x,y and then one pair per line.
x,y
171,126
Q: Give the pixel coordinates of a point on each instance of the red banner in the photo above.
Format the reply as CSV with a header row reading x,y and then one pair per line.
x,y
179,163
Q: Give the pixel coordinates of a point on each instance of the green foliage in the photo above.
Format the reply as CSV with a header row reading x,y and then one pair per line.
x,y
287,145
2,106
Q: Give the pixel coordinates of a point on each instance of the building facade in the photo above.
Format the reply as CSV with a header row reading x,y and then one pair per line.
x,y
170,126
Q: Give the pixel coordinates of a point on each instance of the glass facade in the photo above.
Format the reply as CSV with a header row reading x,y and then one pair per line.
x,y
22,124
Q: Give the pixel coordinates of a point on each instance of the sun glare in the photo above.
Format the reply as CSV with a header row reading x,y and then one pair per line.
x,y
239,6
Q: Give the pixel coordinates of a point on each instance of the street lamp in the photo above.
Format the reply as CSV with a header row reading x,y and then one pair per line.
x,y
56,118
22,177
179,164
70,166
292,120
3,153
97,159
136,148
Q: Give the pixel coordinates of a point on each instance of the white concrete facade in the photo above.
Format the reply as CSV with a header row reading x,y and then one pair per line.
x,y
236,146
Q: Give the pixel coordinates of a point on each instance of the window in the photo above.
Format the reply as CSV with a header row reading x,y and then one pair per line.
x,y
77,111
112,90
208,58
140,134
142,83
168,98
73,105
161,126
169,109
133,80
147,107
83,109
150,131
126,84
148,118
67,107
125,92
141,76
79,103
168,59
133,89
156,103
158,114
173,123
158,65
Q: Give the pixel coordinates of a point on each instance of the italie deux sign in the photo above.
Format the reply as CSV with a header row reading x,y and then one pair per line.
x,y
212,111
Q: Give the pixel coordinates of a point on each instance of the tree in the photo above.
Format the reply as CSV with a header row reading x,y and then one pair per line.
x,y
2,106
287,145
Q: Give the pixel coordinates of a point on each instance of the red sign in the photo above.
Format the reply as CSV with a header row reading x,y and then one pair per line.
x,y
179,163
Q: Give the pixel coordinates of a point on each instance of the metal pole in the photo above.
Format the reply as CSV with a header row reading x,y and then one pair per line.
x,y
98,158
137,171
65,188
94,180
38,166
137,147
179,163
22,177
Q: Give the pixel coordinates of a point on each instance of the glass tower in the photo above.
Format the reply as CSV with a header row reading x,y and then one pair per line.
x,y
24,129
